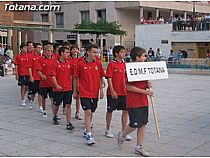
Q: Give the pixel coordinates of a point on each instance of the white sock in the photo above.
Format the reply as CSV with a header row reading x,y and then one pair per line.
x,y
89,133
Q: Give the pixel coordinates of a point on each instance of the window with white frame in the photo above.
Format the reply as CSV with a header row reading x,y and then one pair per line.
x,y
101,15
85,16
59,20
44,17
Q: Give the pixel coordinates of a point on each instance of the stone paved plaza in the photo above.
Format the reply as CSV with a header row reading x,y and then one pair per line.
x,y
183,110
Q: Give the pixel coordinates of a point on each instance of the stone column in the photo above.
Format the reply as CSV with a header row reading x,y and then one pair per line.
x,y
26,36
141,14
185,15
78,40
171,13
9,37
19,39
157,13
50,34
101,43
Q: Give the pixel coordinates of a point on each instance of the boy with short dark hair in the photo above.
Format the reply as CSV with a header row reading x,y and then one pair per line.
x,y
34,78
116,91
137,105
89,73
61,73
74,52
22,74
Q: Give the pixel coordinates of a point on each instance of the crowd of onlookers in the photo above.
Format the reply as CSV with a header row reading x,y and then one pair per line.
x,y
172,58
6,59
199,22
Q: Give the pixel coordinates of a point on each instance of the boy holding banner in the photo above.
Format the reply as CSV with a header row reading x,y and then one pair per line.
x,y
137,105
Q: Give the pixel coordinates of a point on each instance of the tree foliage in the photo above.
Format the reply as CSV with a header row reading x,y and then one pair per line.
x,y
102,27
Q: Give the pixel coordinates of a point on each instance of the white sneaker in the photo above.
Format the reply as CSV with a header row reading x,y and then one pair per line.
x,y
44,114
90,140
140,151
31,105
40,109
128,138
78,116
108,133
23,103
120,139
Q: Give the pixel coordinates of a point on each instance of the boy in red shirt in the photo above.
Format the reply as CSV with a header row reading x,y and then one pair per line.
x,y
61,73
56,47
116,91
22,74
45,84
30,47
137,105
89,74
34,78
74,51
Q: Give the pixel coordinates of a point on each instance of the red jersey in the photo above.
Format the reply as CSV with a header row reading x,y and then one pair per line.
x,y
57,56
62,71
116,71
137,100
74,60
30,53
21,60
34,61
45,66
89,74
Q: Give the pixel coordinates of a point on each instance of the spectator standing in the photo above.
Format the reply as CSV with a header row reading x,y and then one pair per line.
x,y
161,20
9,53
7,64
109,53
151,54
127,55
207,58
1,50
158,55
143,21
171,57
179,57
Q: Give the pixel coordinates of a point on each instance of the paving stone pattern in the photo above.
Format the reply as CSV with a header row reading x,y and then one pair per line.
x,y
183,110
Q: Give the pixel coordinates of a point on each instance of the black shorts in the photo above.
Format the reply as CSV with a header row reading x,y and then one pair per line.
x,y
116,104
58,97
33,87
138,116
89,103
23,80
46,90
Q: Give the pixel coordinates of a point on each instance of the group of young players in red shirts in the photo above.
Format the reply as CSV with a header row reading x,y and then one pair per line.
x,y
62,75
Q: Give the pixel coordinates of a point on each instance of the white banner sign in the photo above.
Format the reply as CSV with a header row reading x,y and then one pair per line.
x,y
140,71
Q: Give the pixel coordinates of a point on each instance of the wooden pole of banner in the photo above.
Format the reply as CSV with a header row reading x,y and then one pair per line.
x,y
155,116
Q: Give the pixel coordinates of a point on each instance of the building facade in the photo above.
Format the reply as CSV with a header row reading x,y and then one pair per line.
x,y
127,13
13,38
195,43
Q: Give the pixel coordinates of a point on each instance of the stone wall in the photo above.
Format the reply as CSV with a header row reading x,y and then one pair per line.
x,y
190,48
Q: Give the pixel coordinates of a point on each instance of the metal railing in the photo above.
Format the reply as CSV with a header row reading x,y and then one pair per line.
x,y
190,63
